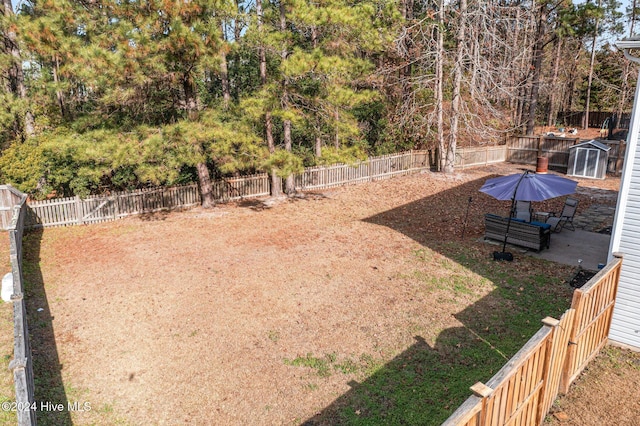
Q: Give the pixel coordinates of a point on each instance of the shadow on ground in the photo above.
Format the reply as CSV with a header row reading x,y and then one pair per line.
x,y
49,387
425,383
266,203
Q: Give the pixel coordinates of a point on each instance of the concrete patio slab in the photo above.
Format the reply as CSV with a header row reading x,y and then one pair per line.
x,y
569,246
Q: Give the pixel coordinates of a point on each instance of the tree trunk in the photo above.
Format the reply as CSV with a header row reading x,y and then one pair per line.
x,y
553,97
290,187
224,72
59,94
204,178
439,88
204,181
536,70
317,145
457,84
623,95
336,141
407,14
585,124
276,182
515,102
237,29
261,51
276,185
16,76
572,82
624,91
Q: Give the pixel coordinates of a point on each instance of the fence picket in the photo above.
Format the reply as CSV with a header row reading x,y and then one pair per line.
x,y
523,391
73,210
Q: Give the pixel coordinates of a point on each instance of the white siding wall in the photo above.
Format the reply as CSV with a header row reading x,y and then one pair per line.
x,y
625,325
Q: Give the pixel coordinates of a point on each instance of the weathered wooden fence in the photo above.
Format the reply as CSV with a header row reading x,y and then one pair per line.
x,y
596,118
594,308
523,391
527,149
615,160
480,156
76,210
374,168
21,365
9,198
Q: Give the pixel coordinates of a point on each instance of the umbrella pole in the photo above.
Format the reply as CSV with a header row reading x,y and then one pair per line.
x,y
513,203
464,225
506,234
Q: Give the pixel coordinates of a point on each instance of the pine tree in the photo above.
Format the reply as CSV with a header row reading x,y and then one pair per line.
x,y
14,81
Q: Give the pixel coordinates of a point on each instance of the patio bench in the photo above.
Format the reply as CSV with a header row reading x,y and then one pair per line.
x,y
533,235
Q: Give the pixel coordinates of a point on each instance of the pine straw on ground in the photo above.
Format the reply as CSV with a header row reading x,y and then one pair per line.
x,y
235,315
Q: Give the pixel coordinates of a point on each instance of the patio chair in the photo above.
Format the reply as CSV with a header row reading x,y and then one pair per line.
x,y
522,210
565,218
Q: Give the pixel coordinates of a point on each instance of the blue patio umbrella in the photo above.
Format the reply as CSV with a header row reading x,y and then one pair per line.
x,y
527,186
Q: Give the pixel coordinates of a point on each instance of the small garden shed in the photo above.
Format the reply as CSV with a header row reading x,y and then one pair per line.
x,y
588,160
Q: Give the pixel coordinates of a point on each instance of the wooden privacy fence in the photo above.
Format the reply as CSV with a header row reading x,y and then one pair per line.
x,y
594,308
21,365
596,118
527,149
524,390
480,156
615,160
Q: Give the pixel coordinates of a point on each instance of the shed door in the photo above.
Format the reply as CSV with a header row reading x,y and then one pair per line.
x,y
586,162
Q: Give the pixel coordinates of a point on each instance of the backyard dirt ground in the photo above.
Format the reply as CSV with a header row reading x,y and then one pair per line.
x,y
605,394
221,316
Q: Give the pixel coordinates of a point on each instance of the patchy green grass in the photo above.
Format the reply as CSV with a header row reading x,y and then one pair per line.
x,y
326,365
425,383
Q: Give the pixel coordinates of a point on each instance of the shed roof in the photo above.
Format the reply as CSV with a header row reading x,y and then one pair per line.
x,y
594,143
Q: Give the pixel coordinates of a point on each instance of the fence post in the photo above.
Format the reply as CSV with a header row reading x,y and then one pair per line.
x,y
567,369
79,210
622,148
116,210
546,372
482,391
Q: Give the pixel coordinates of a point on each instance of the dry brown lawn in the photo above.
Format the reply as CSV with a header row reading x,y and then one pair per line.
x,y
253,315
605,394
